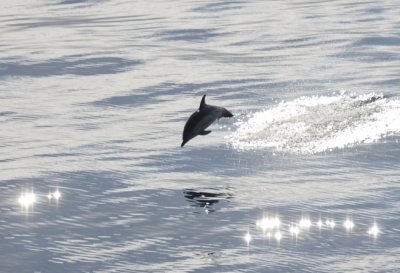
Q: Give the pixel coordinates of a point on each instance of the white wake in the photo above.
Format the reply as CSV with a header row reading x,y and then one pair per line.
x,y
319,123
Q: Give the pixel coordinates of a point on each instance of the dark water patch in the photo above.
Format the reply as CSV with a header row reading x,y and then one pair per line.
x,y
188,35
391,82
21,24
45,22
378,41
211,159
370,20
113,234
63,155
6,160
116,158
375,157
129,100
375,10
69,65
361,207
84,2
6,113
367,56
221,160
302,43
22,117
120,141
220,6
300,40
68,2
92,181
153,94
391,193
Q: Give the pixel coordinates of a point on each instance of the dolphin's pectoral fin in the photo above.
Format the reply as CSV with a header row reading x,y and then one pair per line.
x,y
204,132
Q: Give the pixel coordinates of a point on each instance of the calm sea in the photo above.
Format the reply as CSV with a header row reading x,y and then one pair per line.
x,y
94,96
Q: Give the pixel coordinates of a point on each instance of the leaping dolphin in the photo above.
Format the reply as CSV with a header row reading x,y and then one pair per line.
x,y
201,119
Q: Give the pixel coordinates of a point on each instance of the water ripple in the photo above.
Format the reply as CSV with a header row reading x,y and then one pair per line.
x,y
68,65
94,96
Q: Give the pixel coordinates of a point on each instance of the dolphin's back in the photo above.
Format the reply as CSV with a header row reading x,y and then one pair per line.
x,y
201,119
197,122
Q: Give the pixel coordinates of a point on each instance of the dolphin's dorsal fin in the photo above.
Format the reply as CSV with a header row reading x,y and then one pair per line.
x,y
203,103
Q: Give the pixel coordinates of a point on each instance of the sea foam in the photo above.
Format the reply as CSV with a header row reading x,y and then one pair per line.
x,y
317,124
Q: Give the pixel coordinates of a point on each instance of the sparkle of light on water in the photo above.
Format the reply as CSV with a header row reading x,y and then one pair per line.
x,y
93,99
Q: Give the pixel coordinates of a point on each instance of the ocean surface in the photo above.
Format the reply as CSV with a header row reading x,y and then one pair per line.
x,y
94,96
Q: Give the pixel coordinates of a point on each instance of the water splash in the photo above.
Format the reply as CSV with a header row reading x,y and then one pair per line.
x,y
317,124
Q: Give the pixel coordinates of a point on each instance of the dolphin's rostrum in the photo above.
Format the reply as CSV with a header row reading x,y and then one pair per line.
x,y
201,119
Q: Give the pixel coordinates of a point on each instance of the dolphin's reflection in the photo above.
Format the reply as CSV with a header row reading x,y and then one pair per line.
x,y
205,198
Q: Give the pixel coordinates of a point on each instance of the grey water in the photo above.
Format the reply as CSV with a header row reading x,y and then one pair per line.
x,y
94,96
